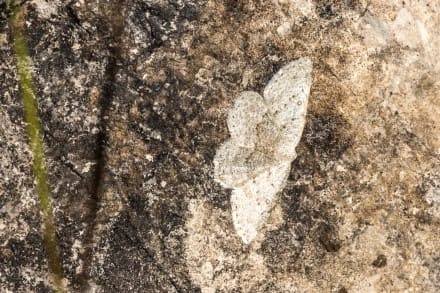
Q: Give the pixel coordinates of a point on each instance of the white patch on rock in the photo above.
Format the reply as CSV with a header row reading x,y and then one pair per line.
x,y
46,9
284,29
255,161
297,7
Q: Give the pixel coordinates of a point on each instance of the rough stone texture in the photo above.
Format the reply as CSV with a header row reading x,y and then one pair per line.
x,y
133,100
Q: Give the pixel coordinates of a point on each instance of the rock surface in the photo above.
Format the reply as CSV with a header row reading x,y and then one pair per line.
x,y
133,98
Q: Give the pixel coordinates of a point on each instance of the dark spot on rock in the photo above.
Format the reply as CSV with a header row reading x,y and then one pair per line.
x,y
353,4
234,6
267,67
265,286
4,12
138,205
293,196
328,239
150,19
16,114
281,245
170,216
326,135
306,165
165,12
331,9
72,14
380,261
190,12
424,218
342,290
162,20
326,11
329,244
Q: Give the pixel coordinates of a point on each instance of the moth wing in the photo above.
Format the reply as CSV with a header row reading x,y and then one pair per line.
x,y
247,112
231,167
286,96
253,201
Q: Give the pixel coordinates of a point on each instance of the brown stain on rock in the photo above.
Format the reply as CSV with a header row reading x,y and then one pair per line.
x,y
380,261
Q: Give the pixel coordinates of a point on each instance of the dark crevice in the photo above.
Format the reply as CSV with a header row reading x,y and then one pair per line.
x,y
72,14
114,30
71,167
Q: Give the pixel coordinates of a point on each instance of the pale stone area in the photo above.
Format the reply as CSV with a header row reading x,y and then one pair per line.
x,y
255,162
212,255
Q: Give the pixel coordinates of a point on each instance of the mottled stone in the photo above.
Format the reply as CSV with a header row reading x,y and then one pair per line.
x,y
134,98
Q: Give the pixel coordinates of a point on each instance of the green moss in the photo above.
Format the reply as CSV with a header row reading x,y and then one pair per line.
x,y
33,126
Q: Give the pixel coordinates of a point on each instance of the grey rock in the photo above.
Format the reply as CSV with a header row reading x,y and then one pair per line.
x,y
133,98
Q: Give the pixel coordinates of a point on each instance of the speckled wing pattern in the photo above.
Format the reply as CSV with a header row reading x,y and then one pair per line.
x,y
255,161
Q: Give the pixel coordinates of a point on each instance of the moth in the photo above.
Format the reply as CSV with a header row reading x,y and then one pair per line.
x,y
264,132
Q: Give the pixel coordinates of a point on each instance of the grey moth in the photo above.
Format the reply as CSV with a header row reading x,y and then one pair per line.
x,y
264,132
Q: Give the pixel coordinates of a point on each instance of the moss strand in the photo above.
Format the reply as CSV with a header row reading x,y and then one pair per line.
x,y
33,127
